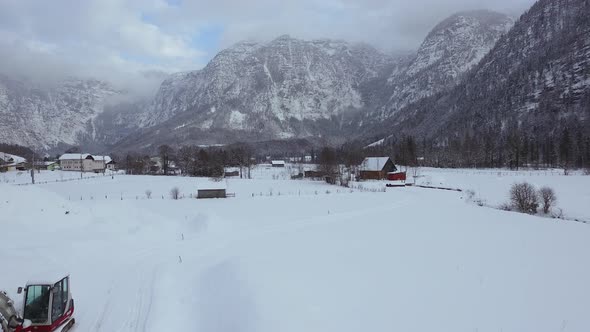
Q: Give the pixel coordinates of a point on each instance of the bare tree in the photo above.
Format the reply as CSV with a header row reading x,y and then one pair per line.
x,y
175,193
165,152
548,198
148,194
328,162
186,159
524,198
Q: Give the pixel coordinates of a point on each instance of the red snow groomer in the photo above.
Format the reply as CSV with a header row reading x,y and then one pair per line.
x,y
45,307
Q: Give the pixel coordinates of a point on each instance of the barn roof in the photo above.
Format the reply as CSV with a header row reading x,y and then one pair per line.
x,y
374,163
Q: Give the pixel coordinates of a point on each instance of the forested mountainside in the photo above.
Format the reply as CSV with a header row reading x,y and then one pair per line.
x,y
526,102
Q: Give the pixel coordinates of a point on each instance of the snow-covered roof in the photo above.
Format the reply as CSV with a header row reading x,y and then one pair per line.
x,y
47,281
277,162
7,157
374,163
78,156
72,156
378,143
106,159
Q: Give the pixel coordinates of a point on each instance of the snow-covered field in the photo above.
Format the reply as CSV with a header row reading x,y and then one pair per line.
x,y
493,186
312,258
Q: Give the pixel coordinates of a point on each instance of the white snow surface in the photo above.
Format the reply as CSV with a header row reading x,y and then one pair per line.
x,y
311,257
493,186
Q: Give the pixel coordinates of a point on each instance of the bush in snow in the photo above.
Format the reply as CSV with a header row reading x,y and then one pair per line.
x,y
175,193
558,214
548,198
505,207
524,198
470,195
148,194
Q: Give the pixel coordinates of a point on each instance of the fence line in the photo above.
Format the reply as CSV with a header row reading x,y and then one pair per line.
x,y
60,180
498,173
121,197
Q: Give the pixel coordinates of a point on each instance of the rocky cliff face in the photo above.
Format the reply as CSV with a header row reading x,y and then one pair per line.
x,y
47,116
452,48
271,88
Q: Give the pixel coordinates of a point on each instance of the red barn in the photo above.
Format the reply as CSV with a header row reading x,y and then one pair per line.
x,y
376,168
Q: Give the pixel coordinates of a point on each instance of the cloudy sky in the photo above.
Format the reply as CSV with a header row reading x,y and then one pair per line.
x,y
119,38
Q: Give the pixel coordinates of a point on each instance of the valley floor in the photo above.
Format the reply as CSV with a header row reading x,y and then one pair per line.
x,y
295,255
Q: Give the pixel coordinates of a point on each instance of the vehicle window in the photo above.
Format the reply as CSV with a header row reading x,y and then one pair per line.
x,y
57,306
65,292
37,304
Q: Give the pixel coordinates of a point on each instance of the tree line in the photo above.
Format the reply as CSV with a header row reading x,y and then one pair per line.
x,y
190,160
568,149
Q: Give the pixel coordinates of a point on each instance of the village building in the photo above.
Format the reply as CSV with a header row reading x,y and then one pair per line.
x,y
11,162
277,163
46,165
83,162
376,168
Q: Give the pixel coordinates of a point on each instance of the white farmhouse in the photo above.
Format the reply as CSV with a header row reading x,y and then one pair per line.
x,y
83,162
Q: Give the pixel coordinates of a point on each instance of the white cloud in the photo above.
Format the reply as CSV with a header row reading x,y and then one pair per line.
x,y
117,37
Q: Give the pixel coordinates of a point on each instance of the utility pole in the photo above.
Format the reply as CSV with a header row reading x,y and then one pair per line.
x,y
33,167
81,166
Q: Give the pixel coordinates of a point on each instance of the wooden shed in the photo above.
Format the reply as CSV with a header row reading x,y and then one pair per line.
x,y
376,168
211,193
277,163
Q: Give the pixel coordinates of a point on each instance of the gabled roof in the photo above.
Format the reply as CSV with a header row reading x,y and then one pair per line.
x,y
374,163
11,158
74,156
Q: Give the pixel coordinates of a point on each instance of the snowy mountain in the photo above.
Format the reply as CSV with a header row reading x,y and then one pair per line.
x,y
322,89
286,88
71,112
40,116
532,89
329,91
453,47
